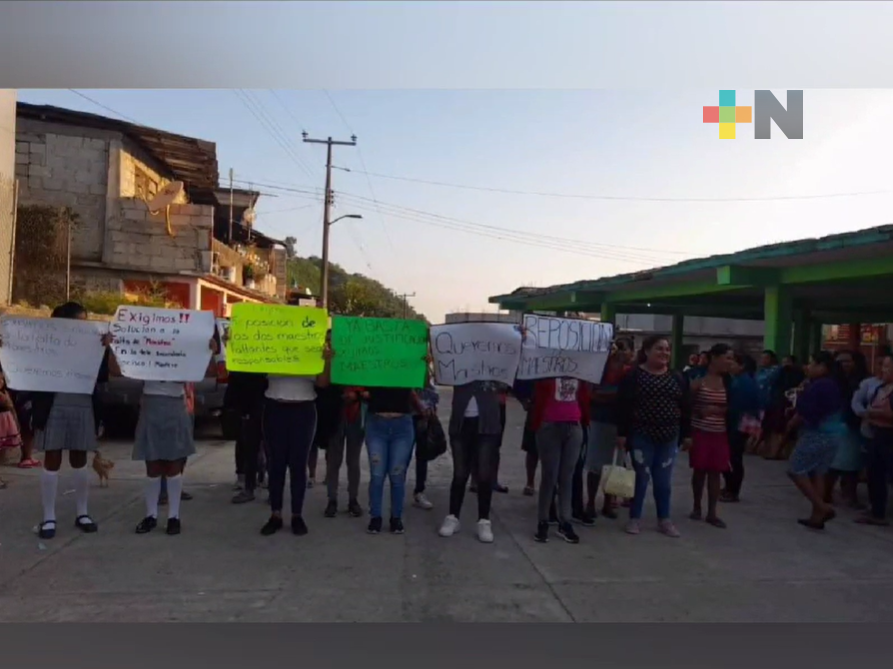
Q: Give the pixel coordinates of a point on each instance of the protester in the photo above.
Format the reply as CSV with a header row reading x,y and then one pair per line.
x,y
789,379
744,423
560,409
244,399
879,425
67,422
10,433
818,422
342,422
699,369
710,455
602,442
497,486
653,415
849,460
289,427
523,391
771,404
389,438
474,432
23,406
428,400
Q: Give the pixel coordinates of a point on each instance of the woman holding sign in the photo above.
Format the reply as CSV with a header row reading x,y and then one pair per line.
x,y
67,422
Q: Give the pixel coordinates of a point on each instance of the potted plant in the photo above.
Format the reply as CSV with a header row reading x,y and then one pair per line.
x,y
248,276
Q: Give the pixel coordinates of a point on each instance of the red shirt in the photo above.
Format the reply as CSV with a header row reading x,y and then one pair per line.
x,y
544,395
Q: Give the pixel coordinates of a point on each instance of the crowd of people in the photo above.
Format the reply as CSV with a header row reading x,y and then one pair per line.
x,y
832,420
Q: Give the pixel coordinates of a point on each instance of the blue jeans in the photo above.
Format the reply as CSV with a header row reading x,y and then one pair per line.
x,y
389,444
652,462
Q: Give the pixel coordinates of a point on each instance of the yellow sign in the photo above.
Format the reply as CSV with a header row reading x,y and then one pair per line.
x,y
276,339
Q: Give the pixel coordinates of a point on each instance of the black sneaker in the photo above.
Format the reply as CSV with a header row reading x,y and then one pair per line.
x,y
173,526
331,509
587,518
566,532
354,509
186,497
374,526
146,525
272,526
542,532
298,526
243,497
397,526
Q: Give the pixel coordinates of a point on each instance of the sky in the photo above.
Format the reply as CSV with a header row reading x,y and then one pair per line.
x,y
456,245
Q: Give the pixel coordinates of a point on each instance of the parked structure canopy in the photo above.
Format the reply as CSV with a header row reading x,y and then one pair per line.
x,y
793,287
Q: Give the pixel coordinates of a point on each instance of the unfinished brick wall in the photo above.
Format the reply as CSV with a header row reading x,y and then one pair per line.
x,y
138,239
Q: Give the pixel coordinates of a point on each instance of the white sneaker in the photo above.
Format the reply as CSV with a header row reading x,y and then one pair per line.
x,y
450,526
422,502
485,531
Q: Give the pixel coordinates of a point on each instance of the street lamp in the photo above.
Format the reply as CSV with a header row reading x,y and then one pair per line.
x,y
324,279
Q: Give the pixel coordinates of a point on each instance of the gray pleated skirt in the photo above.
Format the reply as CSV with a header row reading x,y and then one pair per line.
x,y
164,430
70,426
600,449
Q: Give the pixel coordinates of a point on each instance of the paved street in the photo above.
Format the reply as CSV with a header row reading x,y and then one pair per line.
x,y
764,567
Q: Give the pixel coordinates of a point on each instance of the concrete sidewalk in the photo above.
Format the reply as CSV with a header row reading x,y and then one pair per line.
x,y
763,568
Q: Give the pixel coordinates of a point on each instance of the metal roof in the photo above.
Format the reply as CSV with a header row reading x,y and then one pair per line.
x,y
868,241
190,160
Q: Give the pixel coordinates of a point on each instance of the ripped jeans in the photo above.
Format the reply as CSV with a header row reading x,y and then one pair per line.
x,y
653,462
389,445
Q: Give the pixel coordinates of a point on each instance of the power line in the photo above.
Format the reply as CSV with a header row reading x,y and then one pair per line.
x,y
285,136
365,171
620,198
108,109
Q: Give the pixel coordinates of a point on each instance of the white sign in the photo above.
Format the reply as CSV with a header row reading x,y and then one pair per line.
x,y
556,347
466,352
162,344
53,355
223,331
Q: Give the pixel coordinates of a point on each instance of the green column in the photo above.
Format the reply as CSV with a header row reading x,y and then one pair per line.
x,y
676,336
777,320
608,313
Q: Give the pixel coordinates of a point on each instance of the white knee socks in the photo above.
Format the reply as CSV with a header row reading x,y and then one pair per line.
x,y
174,493
81,488
49,483
153,490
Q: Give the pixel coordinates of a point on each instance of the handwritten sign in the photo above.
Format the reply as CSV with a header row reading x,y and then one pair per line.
x,y
466,352
162,344
557,347
276,339
54,355
379,352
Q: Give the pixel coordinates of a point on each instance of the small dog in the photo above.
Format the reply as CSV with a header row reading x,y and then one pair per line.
x,y
102,467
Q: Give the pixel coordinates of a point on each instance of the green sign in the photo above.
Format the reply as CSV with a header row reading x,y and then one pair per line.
x,y
276,339
379,352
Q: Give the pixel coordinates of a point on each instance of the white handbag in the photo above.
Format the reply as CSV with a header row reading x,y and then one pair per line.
x,y
619,479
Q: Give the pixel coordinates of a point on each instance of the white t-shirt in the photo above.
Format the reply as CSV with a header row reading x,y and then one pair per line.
x,y
471,411
164,388
291,388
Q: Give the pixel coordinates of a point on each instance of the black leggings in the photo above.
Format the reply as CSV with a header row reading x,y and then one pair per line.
x,y
473,451
735,478
289,428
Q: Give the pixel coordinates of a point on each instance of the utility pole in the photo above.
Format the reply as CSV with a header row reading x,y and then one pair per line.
x,y
326,220
230,237
405,297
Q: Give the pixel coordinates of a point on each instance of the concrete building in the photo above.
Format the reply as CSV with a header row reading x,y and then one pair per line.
x,y
7,190
106,171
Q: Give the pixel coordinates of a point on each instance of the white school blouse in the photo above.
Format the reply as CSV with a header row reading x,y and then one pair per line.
x,y
291,388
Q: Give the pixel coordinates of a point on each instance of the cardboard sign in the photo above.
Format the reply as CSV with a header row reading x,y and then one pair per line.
x,y
276,339
466,352
162,344
53,355
556,347
379,352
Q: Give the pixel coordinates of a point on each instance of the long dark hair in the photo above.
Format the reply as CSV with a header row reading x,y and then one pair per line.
x,y
717,351
647,344
72,310
835,372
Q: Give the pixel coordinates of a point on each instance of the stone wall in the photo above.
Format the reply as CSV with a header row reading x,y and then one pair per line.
x,y
66,166
134,161
139,240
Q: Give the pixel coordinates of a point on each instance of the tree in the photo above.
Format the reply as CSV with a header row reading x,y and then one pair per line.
x,y
290,247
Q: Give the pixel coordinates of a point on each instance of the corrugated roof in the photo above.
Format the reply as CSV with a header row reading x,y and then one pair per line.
x,y
190,160
759,255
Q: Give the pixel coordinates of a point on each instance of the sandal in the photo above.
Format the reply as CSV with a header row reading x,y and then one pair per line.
x,y
30,463
85,524
716,522
47,529
871,520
